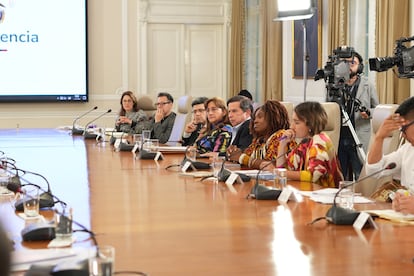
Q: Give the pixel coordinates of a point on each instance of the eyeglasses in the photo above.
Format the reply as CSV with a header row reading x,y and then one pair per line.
x,y
213,109
164,103
195,111
404,128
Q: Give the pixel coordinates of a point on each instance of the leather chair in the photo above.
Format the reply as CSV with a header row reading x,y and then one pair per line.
x,y
391,143
182,118
147,105
289,108
333,127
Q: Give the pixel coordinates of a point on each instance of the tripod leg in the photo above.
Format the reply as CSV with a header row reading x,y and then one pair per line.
x,y
361,155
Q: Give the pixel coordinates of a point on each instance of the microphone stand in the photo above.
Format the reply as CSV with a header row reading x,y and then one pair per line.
x,y
263,192
46,198
88,135
341,216
79,131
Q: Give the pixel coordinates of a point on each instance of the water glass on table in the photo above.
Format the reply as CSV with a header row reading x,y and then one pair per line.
x,y
346,196
280,175
217,163
63,221
31,201
103,262
137,139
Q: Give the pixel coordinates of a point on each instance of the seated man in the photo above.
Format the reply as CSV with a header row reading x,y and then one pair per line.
x,y
240,109
192,129
163,121
403,157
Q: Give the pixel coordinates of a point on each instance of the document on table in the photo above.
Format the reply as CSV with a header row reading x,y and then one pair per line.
x,y
23,259
326,196
392,215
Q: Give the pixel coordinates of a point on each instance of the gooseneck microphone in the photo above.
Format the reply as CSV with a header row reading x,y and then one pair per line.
x,y
260,191
79,131
88,135
46,198
341,216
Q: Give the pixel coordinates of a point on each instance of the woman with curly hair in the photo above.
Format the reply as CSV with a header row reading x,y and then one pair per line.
x,y
268,125
314,160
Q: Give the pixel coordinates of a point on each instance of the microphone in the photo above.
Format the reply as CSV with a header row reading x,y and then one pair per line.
x,y
88,135
195,164
72,266
341,216
260,191
79,131
46,199
14,185
225,173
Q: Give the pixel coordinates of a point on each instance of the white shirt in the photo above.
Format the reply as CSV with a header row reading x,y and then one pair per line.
x,y
404,159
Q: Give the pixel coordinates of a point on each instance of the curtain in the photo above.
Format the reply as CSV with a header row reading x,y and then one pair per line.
x,y
392,24
337,24
272,50
237,46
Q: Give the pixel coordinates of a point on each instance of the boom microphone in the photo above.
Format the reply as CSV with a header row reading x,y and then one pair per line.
x,y
88,135
342,216
260,191
79,131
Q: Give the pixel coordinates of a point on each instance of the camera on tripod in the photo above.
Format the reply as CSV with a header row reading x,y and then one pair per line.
x,y
336,72
403,58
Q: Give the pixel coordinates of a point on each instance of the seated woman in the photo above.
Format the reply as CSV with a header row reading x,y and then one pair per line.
x,y
217,134
268,125
130,118
314,159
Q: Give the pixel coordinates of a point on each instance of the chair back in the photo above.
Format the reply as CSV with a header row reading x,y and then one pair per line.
x,y
333,127
147,105
391,143
182,118
289,108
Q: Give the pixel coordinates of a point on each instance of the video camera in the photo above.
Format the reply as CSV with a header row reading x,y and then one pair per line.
x,y
336,72
403,59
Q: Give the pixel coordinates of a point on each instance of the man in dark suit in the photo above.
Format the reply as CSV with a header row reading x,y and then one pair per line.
x,y
192,129
240,109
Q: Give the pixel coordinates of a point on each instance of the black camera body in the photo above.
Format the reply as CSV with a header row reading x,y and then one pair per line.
x,y
336,72
403,58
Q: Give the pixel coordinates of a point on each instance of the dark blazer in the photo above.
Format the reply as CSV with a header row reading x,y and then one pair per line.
x,y
243,137
189,141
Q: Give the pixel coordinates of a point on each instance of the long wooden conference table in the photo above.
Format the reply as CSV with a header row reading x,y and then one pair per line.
x,y
162,223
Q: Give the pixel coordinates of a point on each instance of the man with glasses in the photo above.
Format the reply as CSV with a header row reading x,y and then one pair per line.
x,y
403,157
358,100
192,129
164,118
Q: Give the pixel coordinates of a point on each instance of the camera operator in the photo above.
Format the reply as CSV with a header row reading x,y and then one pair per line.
x,y
358,98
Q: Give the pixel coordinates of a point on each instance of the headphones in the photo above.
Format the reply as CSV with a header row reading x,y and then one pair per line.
x,y
360,69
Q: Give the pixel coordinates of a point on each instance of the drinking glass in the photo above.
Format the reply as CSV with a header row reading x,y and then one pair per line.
x,y
346,196
31,201
63,221
217,164
138,140
102,263
280,175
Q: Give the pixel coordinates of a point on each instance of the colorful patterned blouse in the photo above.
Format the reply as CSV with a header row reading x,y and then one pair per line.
x,y
317,161
263,150
217,140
